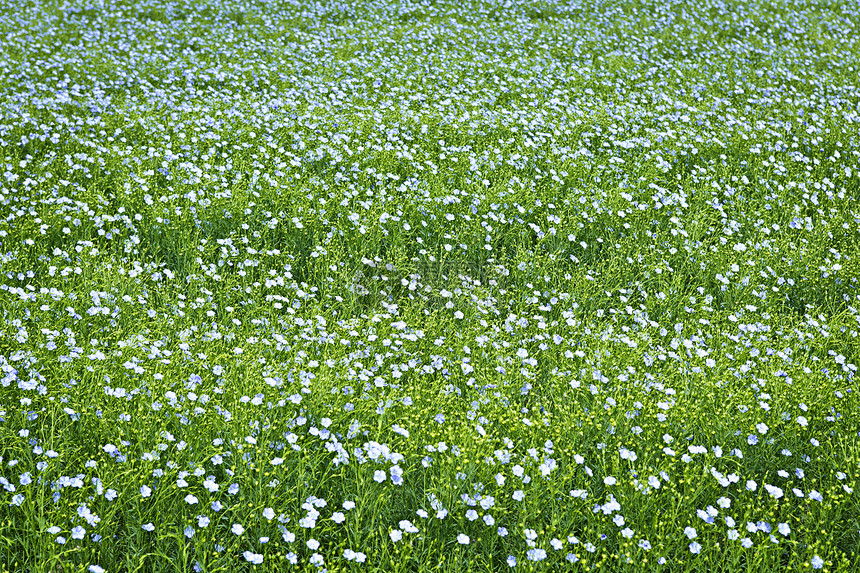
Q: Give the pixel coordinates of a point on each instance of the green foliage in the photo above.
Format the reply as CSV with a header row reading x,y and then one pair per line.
x,y
429,286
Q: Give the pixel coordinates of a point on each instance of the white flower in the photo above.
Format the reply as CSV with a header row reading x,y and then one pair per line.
x,y
690,532
237,529
463,539
254,558
774,491
190,499
695,548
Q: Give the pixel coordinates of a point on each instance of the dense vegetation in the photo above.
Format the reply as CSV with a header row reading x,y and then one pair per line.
x,y
395,286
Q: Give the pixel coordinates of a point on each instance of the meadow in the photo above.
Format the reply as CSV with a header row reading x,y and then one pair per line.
x,y
429,286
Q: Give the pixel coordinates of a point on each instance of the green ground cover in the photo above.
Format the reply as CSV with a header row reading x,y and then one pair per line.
x,y
432,286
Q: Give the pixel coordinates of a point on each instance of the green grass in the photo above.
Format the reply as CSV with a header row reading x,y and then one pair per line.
x,y
429,286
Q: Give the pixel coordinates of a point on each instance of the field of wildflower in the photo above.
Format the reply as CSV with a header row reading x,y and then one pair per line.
x,y
429,286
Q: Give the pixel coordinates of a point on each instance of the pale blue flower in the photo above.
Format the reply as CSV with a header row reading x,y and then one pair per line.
x,y
695,548
253,558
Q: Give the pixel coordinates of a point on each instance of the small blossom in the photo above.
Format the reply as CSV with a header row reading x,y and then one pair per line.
x,y
253,558
695,548
690,532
